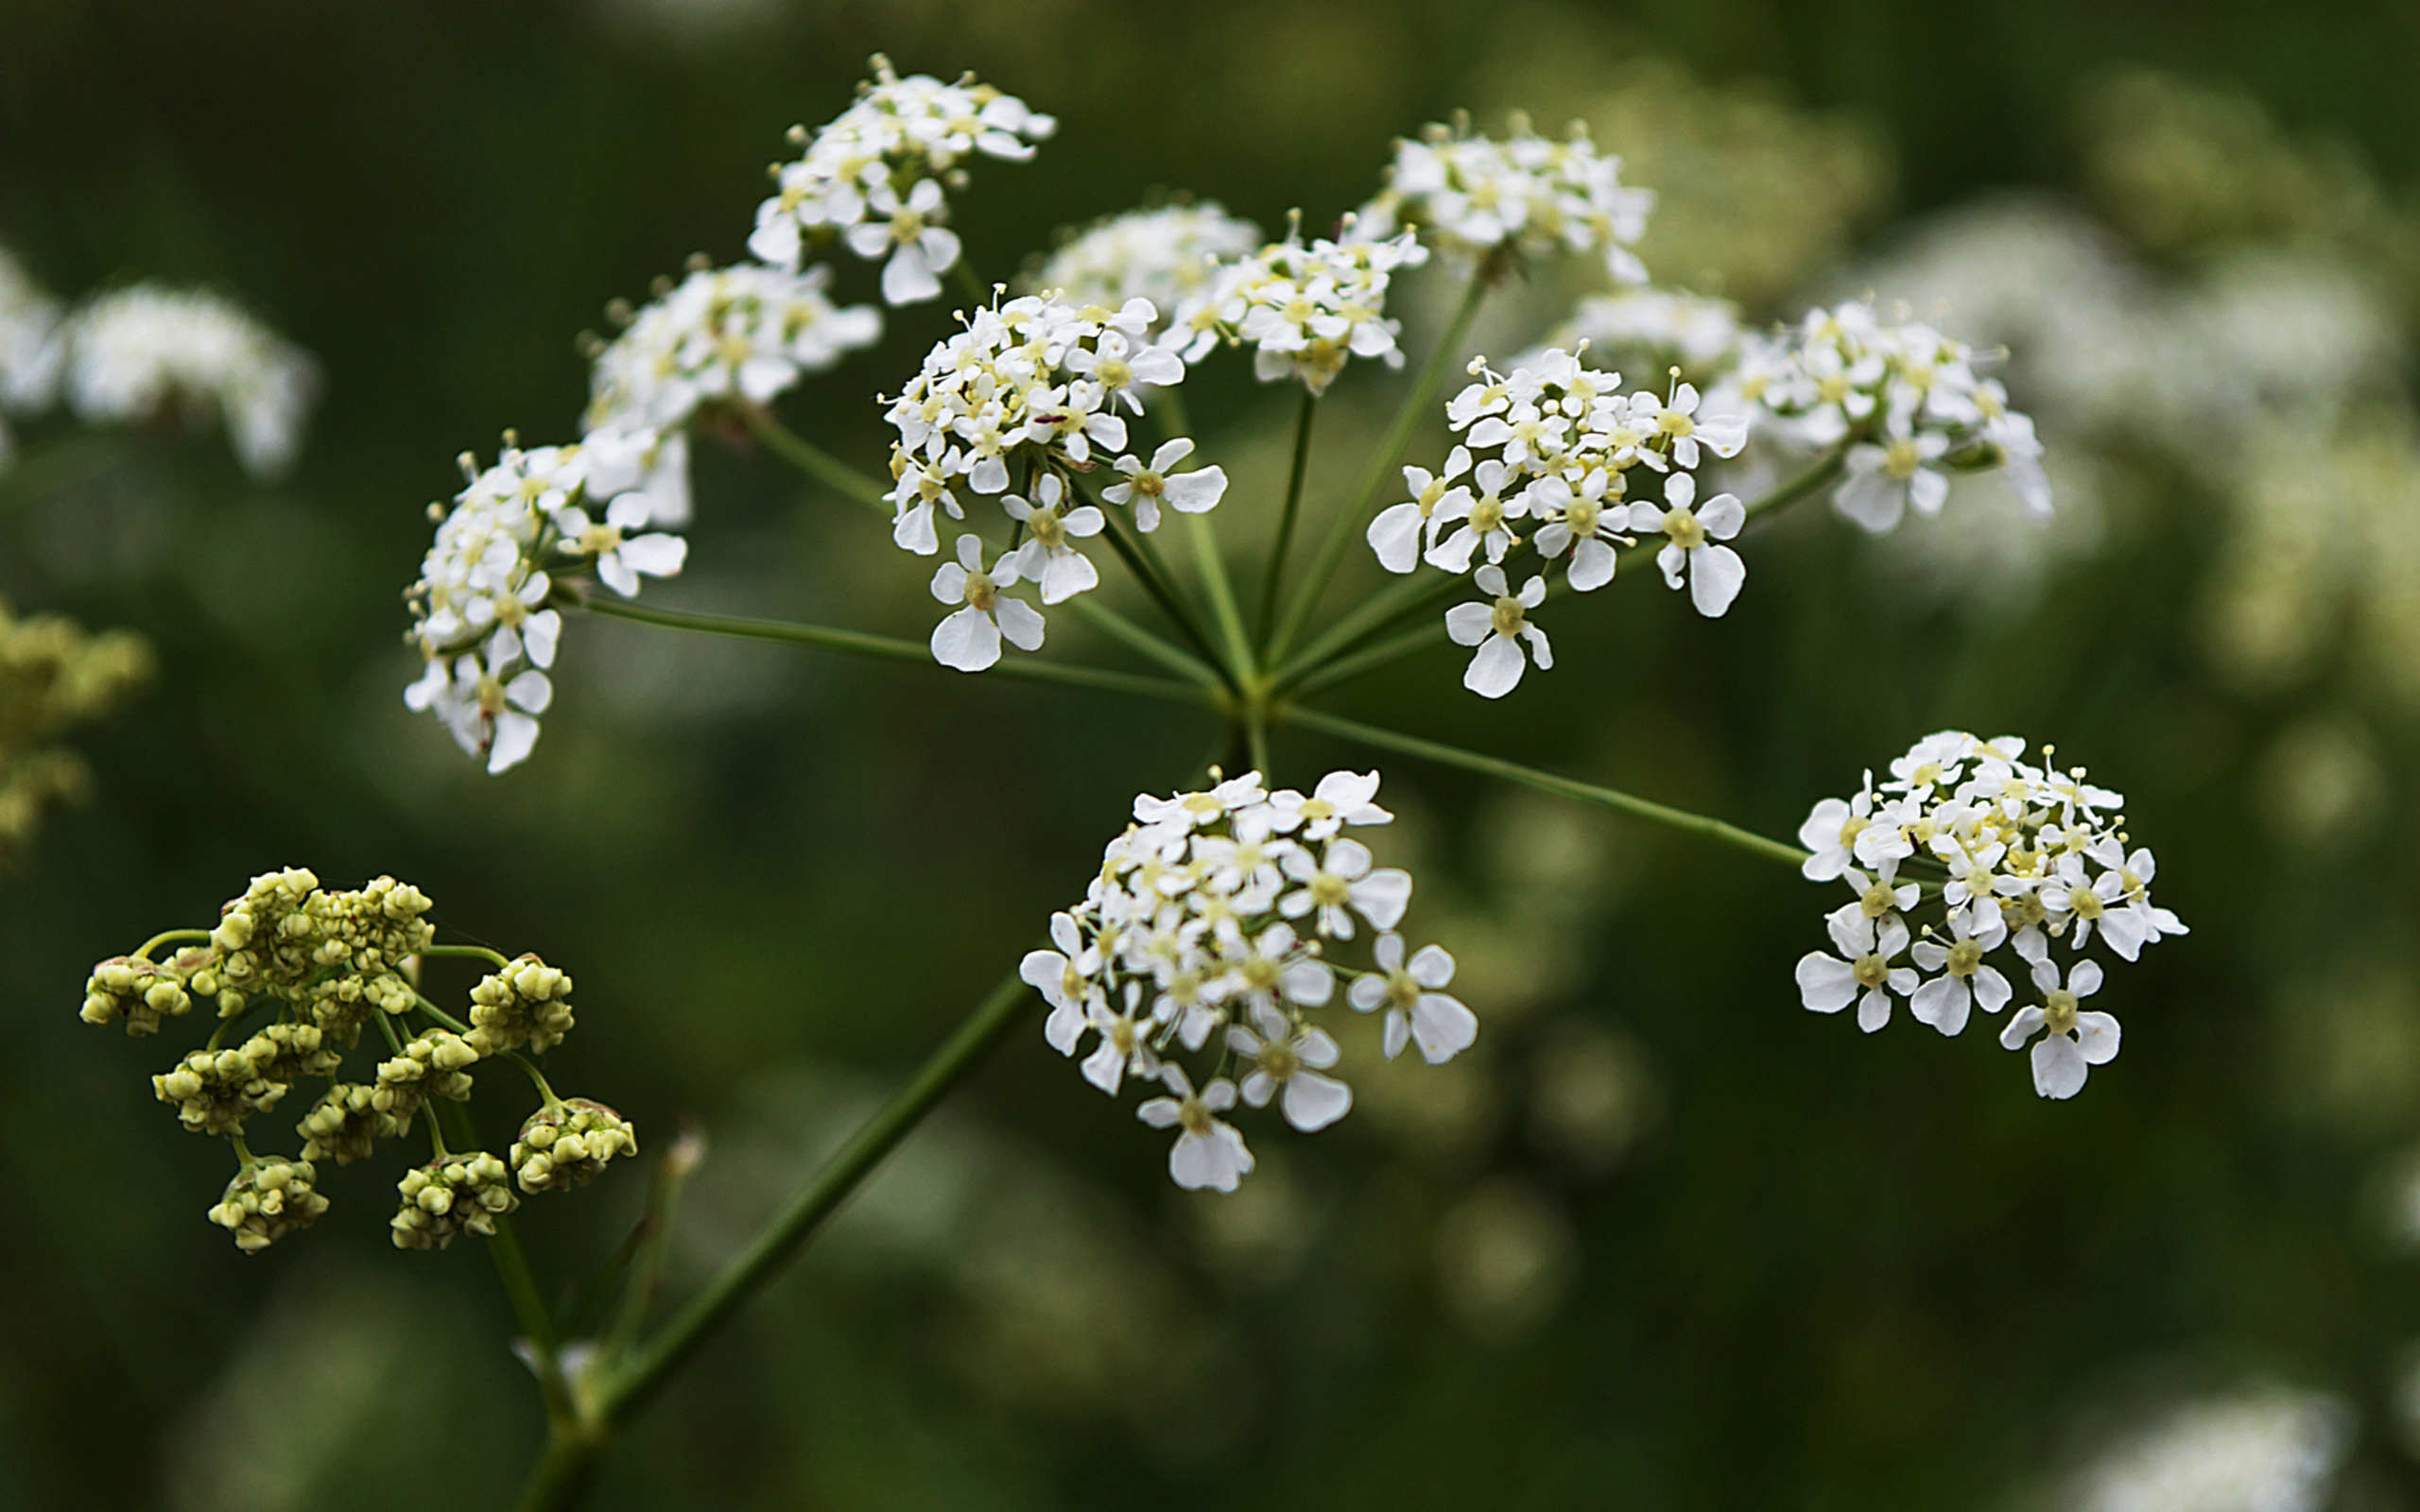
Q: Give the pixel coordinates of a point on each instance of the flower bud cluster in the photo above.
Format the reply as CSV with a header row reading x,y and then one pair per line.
x,y
1166,255
52,676
1032,386
1205,935
875,177
1909,396
568,1145
1565,439
2008,854
481,612
528,1003
326,962
450,1195
719,338
268,1199
1305,311
1473,195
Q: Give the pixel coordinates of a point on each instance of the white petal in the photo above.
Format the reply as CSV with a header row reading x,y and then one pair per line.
x,y
1715,575
1313,1100
1020,622
2097,1035
1497,669
1431,967
1826,984
2058,1067
1944,1002
1442,1026
1470,624
2021,1027
967,640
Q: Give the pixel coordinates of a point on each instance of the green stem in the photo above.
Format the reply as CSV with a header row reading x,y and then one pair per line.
x,y
475,952
1175,658
1277,575
1382,465
1174,421
968,284
663,1208
1621,802
815,461
143,951
1161,593
1212,568
521,1283
628,1389
890,649
1371,657
1256,741
573,1452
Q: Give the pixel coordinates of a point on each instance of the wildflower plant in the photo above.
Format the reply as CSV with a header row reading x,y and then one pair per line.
x,y
1235,930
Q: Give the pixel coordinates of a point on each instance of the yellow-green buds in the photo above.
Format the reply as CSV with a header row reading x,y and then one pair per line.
x,y
434,1065
52,676
449,1196
142,992
528,1003
215,1091
569,1144
268,1199
344,1123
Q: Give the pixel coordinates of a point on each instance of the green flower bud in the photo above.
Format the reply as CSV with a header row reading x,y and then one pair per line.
x,y
450,1195
430,1066
344,1122
268,1199
528,1003
569,1144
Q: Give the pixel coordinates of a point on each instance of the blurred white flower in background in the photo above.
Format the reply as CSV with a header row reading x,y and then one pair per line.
x,y
151,351
2267,1450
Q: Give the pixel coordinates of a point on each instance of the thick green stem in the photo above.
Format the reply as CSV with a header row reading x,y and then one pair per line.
x,y
630,1387
1620,802
1212,568
815,461
1347,523
1162,593
1277,576
562,1479
891,650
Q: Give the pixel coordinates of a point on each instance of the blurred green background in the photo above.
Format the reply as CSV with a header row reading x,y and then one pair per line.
x,y
1665,1240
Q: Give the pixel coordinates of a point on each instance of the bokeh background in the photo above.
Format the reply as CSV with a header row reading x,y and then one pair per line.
x,y
1665,1240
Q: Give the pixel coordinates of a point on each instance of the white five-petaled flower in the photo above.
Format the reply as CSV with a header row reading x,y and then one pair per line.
x,y
1166,255
1482,515
1143,487
1580,521
1694,541
969,639
2073,1041
1680,433
1842,832
1896,475
1208,1151
1289,1062
1048,558
1339,799
1966,980
1419,1010
1498,628
1340,883
1402,531
616,548
1829,984
1063,977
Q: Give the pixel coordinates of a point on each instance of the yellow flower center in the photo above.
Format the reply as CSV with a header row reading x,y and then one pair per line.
x,y
1684,528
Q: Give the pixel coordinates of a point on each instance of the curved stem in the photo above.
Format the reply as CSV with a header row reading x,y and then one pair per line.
x,y
143,951
1277,576
1382,465
476,953
815,461
891,650
1620,802
628,1389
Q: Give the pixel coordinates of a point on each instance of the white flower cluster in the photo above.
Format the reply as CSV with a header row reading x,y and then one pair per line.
x,y
1205,935
150,350
1305,311
1037,382
29,347
2014,854
722,336
875,177
481,612
1166,255
1908,395
1565,439
1698,333
1473,195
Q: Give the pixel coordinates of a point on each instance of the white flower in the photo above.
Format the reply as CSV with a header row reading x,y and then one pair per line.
x,y
1419,1010
1401,532
1304,310
1342,877
1694,541
491,713
970,639
1124,1049
1498,629
1701,332
1829,984
910,132
1474,194
1063,977
1841,832
1289,1062
2075,1042
1339,799
1683,432
150,351
1193,810
1483,518
1882,480
619,553
1580,521
1047,558
1208,1152
720,337
1145,485
1166,255
1966,980
30,348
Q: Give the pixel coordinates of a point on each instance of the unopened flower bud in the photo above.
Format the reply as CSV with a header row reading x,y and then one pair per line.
x,y
450,1195
268,1199
569,1144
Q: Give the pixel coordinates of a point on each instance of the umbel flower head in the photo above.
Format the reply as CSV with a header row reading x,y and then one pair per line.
x,y
1304,310
1997,852
722,337
481,616
1473,195
151,351
1206,936
1167,254
53,677
327,963
874,176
